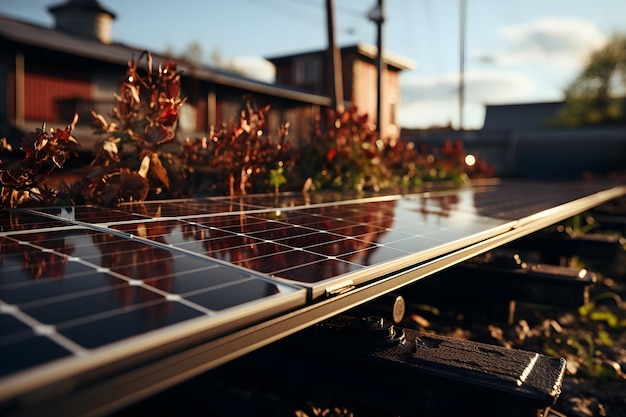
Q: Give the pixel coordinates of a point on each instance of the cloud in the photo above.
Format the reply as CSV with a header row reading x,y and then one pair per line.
x,y
436,113
255,68
480,85
434,99
558,41
538,59
498,86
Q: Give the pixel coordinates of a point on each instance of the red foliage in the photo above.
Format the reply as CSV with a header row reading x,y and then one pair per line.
x,y
44,151
130,162
241,150
344,151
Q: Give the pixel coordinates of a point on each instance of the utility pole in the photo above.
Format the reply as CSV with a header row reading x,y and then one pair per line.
x,y
377,16
19,91
336,73
462,64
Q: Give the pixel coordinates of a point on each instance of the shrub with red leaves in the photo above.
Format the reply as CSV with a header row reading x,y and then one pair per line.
x,y
240,154
344,151
44,151
131,161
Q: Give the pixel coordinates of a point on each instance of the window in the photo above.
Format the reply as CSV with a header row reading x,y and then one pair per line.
x,y
307,71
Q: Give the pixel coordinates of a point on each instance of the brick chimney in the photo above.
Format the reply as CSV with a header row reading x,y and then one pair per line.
x,y
84,18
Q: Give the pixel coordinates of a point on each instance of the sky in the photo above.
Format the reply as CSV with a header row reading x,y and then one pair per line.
x,y
516,51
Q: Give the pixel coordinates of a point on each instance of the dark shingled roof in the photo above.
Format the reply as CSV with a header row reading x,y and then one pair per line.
x,y
520,116
81,4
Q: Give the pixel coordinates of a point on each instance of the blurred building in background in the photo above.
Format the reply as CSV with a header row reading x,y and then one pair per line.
x,y
311,71
52,73
521,140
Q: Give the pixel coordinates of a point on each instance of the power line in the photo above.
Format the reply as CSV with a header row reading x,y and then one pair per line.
x,y
347,10
350,11
281,9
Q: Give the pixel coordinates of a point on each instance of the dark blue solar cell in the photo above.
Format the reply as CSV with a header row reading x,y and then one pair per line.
x,y
29,352
185,233
28,264
233,295
358,229
220,222
248,251
306,219
252,256
413,244
385,236
280,261
74,242
128,323
284,232
149,230
11,221
227,244
373,256
202,279
339,247
10,325
46,289
82,306
331,224
94,214
308,239
318,271
190,263
247,224
179,208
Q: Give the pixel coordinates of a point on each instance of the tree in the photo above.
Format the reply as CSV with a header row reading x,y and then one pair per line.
x,y
597,94
194,54
218,60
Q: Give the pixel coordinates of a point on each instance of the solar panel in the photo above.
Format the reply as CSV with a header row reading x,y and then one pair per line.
x,y
85,288
68,290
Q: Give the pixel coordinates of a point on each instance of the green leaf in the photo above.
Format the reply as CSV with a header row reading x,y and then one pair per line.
x,y
605,338
606,316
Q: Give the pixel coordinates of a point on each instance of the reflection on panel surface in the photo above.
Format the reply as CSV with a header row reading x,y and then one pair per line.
x,y
311,243
67,289
79,281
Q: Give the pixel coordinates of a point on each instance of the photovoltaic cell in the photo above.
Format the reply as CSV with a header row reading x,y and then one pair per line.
x,y
16,220
81,283
79,288
92,214
29,351
309,240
